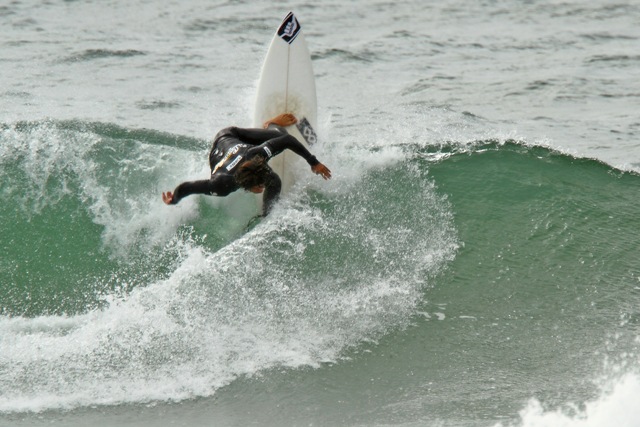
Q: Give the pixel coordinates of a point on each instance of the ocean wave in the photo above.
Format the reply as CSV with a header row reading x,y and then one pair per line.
x,y
188,308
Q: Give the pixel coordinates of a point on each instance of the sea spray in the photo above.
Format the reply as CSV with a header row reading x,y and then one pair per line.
x,y
179,317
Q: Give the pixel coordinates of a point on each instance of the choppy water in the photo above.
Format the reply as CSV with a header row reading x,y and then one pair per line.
x,y
472,263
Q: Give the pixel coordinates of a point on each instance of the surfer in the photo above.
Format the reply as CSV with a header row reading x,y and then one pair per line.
x,y
238,159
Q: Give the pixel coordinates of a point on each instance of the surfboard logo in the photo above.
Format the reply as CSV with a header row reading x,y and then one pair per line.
x,y
307,131
289,28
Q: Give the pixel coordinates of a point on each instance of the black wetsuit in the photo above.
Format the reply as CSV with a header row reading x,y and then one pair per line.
x,y
233,146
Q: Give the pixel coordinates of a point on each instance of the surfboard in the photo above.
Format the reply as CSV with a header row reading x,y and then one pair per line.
x,y
287,85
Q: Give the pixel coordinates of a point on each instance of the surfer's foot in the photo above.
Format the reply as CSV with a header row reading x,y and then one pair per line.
x,y
284,120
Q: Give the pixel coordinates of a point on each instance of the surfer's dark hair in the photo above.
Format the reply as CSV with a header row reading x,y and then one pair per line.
x,y
252,173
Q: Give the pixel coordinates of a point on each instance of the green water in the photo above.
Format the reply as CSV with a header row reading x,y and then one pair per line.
x,y
464,281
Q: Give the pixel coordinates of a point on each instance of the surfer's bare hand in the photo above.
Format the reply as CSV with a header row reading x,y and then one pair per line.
x,y
322,170
284,120
167,197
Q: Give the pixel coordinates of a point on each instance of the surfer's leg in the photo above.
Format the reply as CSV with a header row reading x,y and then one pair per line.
x,y
256,136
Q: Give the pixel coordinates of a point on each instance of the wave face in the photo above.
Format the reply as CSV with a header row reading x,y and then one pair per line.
x,y
468,254
109,296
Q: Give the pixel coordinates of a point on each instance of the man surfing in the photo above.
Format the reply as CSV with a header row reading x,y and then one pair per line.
x,y
238,159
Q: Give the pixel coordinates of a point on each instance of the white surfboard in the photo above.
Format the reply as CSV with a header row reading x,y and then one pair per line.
x,y
287,85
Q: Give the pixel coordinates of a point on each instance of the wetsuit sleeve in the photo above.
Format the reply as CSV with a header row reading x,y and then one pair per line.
x,y
286,141
271,142
275,146
213,187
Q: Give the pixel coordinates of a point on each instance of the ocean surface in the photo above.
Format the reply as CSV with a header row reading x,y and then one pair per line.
x,y
474,262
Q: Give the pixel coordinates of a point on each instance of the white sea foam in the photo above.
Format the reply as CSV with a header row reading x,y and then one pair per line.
x,y
617,406
263,301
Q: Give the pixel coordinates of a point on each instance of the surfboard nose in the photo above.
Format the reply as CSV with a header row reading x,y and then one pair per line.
x,y
289,28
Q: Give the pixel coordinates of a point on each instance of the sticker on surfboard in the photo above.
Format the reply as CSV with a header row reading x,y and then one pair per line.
x,y
289,28
306,130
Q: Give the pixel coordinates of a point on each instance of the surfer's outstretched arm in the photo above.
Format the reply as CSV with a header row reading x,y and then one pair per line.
x,y
277,145
216,186
186,189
